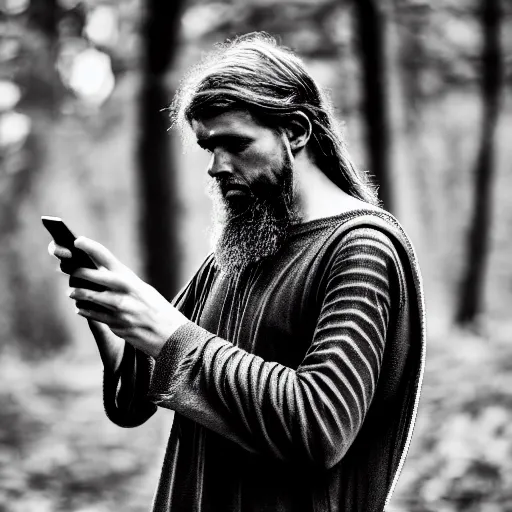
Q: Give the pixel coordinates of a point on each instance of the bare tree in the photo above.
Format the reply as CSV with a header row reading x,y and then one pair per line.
x,y
158,196
370,27
30,319
472,283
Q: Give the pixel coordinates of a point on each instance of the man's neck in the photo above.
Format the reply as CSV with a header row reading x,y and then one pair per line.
x,y
318,196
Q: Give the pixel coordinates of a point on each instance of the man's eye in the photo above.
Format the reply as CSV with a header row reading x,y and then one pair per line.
x,y
230,147
237,147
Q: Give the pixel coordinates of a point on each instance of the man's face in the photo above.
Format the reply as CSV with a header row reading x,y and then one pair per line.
x,y
247,158
252,187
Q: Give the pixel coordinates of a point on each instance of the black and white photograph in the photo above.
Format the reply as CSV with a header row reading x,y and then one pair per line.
x,y
255,256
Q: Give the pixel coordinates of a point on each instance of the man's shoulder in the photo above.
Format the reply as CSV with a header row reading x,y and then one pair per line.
x,y
375,227
376,220
330,234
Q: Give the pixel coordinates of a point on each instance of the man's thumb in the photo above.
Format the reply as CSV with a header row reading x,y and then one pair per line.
x,y
99,254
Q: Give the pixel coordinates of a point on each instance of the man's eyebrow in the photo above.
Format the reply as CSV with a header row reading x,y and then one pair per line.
x,y
208,140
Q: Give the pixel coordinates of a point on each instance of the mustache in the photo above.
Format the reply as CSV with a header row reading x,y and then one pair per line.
x,y
225,184
257,191
228,182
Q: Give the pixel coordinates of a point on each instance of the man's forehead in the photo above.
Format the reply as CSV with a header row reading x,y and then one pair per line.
x,y
229,122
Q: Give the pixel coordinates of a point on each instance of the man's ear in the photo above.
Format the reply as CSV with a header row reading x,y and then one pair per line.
x,y
298,131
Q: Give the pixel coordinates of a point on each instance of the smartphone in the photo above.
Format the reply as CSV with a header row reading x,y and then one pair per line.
x,y
63,236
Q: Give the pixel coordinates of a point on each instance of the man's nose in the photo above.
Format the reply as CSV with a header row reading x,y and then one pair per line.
x,y
220,164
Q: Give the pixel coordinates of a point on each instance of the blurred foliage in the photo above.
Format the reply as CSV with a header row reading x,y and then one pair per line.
x,y
462,449
68,83
61,456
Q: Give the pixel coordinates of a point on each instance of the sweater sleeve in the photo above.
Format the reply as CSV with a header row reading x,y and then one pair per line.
x,y
125,391
310,414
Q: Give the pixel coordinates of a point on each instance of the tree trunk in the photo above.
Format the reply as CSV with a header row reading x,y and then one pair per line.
x,y
45,91
29,319
158,194
472,284
370,27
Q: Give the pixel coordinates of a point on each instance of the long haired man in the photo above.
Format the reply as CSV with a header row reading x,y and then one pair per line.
x,y
293,358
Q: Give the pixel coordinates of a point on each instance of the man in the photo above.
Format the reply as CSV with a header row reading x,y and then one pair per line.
x,y
294,356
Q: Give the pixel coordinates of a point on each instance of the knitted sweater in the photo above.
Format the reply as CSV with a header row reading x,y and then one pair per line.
x,y
296,384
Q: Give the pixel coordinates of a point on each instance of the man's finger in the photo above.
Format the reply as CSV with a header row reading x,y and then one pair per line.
x,y
100,316
83,304
102,277
59,251
51,248
101,256
108,299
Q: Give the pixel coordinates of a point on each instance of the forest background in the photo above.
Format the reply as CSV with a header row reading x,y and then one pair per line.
x,y
423,89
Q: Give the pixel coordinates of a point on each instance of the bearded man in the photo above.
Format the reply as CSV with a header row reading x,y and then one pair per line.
x,y
293,358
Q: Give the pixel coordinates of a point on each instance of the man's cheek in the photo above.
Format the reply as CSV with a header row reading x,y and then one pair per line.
x,y
267,184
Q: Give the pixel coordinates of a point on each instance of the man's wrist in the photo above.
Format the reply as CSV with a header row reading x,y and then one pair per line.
x,y
182,346
110,346
176,320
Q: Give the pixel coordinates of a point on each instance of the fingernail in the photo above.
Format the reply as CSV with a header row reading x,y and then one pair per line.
x,y
70,292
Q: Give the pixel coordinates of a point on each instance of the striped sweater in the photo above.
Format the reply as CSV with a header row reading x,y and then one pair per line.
x,y
295,384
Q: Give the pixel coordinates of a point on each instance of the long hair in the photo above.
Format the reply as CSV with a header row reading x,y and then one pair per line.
x,y
254,73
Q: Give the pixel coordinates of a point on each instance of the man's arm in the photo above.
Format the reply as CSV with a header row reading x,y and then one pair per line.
x,y
312,413
126,378
127,370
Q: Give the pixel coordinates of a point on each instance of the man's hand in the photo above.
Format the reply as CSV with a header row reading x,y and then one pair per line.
x,y
110,346
135,311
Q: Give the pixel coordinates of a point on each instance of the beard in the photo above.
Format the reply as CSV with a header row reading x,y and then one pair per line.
x,y
255,228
